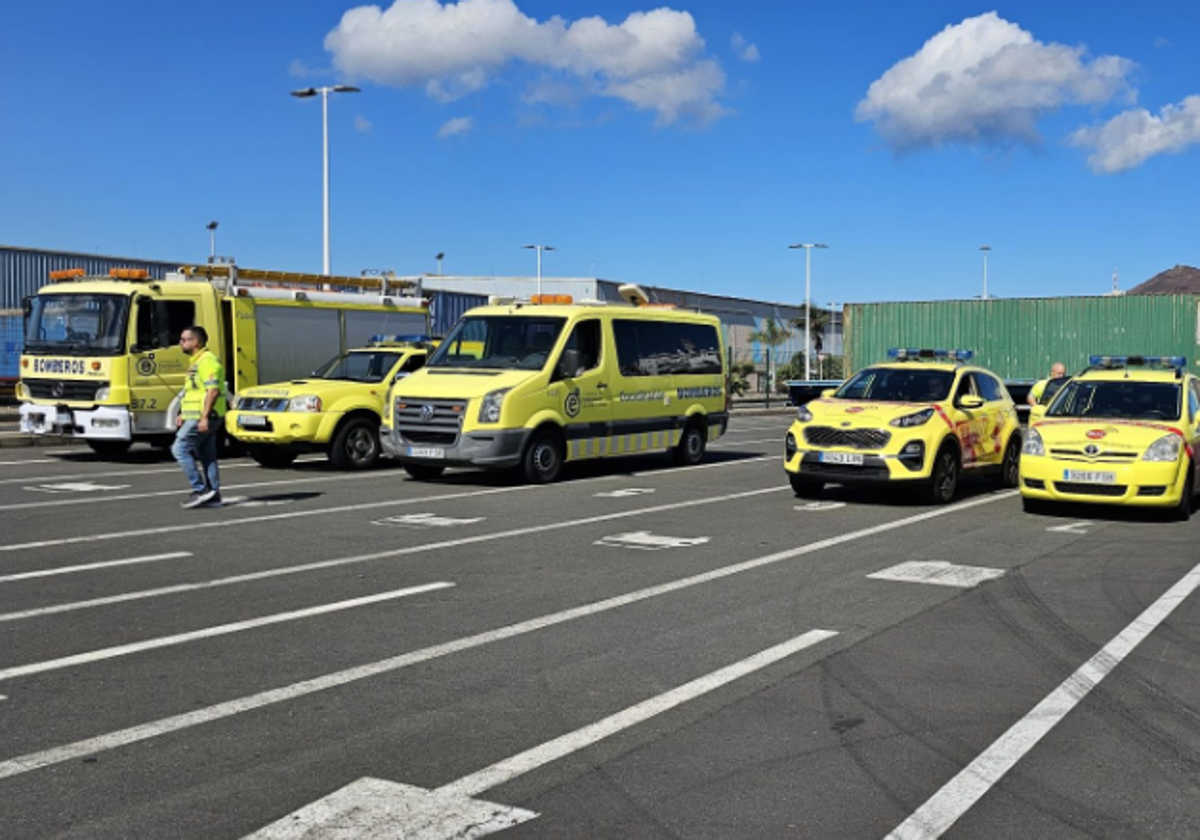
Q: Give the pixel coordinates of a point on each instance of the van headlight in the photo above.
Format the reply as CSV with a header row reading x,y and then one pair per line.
x,y
1166,448
308,402
489,409
1033,444
908,420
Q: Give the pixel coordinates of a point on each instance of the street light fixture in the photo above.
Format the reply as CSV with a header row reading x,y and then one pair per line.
x,y
211,227
808,246
440,255
324,92
985,249
539,249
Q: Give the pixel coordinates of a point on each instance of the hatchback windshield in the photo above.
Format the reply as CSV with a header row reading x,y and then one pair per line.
x,y
358,367
897,385
512,342
80,324
1117,399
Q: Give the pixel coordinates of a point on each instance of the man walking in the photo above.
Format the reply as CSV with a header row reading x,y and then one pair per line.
x,y
1045,389
201,414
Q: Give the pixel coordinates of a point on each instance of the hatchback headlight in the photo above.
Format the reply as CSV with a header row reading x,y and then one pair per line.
x,y
489,409
1033,444
308,402
918,419
1166,448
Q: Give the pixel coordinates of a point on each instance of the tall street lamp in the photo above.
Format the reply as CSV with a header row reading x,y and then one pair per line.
x,y
539,249
440,255
211,227
324,92
985,249
808,246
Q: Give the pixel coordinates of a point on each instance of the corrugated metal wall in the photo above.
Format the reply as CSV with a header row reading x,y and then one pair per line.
x,y
1020,338
11,342
24,270
448,307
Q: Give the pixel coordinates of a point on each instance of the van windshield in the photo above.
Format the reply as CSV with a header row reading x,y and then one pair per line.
x,y
501,342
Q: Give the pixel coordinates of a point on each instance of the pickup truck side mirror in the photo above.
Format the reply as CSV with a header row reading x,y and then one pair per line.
x,y
1037,412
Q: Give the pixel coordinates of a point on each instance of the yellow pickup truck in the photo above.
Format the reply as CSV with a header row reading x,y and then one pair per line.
x,y
336,410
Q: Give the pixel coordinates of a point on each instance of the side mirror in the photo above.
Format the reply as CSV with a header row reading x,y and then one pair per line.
x,y
27,305
1037,412
829,392
971,402
400,374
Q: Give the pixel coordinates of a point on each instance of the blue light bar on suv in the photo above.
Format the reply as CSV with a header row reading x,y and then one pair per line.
x,y
902,354
1176,362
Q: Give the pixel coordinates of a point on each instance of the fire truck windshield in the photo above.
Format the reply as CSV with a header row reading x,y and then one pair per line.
x,y
78,324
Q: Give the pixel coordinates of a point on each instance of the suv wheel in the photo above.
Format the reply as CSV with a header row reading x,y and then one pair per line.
x,y
943,484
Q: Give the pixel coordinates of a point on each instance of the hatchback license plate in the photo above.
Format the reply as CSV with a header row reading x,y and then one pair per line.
x,y
853,459
252,421
1090,477
426,452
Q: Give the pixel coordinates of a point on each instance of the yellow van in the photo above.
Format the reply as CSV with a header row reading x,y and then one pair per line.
x,y
531,385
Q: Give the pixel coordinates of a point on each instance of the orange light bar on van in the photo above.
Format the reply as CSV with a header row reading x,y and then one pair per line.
x,y
547,299
66,273
128,273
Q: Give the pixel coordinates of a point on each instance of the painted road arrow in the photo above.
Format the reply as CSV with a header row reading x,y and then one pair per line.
x,y
382,810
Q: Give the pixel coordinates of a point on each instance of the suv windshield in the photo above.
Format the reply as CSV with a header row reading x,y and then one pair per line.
x,y
1117,399
359,367
506,342
897,385
79,324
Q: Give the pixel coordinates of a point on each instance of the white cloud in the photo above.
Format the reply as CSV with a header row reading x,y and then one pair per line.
x,y
744,49
653,60
459,126
1132,138
299,70
988,81
362,124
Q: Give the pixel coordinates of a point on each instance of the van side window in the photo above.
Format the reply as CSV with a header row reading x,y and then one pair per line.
x,y
655,348
582,350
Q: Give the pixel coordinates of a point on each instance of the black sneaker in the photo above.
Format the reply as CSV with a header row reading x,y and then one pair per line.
x,y
215,501
198,499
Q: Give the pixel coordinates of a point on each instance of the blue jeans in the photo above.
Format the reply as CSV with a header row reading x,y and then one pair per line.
x,y
192,445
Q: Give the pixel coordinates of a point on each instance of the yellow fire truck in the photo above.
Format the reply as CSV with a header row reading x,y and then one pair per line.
x,y
102,360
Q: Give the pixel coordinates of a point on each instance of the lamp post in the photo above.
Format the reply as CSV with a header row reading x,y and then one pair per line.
x,y
324,92
807,246
211,227
539,249
440,255
985,249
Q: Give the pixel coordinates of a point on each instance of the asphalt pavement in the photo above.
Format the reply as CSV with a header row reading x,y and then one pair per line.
x,y
640,650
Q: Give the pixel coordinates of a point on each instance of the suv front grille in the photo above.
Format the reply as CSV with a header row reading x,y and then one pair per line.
x,y
854,438
429,421
63,389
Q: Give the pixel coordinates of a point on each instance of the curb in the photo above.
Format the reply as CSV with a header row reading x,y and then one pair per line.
x,y
9,440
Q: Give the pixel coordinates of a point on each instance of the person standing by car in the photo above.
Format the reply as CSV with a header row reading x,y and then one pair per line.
x,y
201,413
1047,388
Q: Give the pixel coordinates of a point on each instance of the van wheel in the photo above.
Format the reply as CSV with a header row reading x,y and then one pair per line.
x,y
356,445
272,457
806,488
943,484
109,448
1183,511
1010,467
690,449
543,459
423,472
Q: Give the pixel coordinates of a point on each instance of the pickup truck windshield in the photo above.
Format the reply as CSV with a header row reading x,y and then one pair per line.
x,y
77,324
897,385
509,342
359,367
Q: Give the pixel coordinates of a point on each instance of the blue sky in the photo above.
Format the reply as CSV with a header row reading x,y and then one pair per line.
x,y
683,145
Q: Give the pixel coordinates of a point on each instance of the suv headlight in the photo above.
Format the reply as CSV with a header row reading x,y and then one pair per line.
x,y
803,414
309,402
1033,444
489,409
918,419
1166,448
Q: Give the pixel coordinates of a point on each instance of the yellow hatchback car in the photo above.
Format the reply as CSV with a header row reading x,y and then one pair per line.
x,y
1123,432
919,420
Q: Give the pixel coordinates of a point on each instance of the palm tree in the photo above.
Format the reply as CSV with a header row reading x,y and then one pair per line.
x,y
820,320
772,335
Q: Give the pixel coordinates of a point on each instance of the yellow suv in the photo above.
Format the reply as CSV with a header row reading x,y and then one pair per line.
x,y
920,419
336,410
1123,432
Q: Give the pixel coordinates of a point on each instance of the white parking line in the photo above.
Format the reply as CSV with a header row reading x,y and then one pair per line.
x,y
210,632
228,523
958,795
88,567
131,735
28,461
173,469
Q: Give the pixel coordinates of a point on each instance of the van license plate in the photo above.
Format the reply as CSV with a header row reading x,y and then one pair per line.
x,y
853,459
252,421
1090,476
426,452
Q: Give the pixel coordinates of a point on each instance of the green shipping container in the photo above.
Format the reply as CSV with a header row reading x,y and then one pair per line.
x,y
1020,338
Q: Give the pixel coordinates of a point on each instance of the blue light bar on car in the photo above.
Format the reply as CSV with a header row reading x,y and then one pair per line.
x,y
901,354
1176,362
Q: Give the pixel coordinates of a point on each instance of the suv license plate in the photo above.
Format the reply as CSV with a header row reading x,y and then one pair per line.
x,y
252,421
1090,477
854,459
426,452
